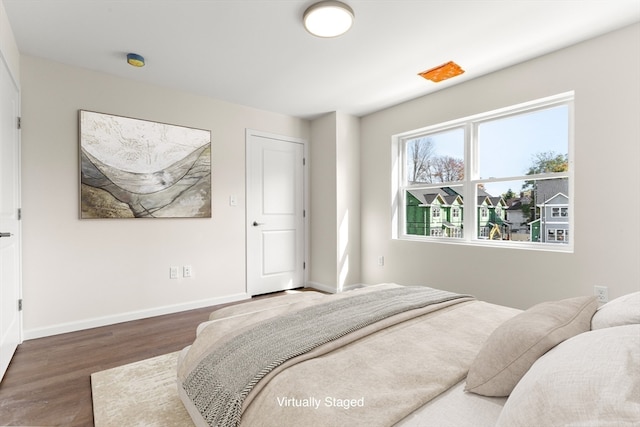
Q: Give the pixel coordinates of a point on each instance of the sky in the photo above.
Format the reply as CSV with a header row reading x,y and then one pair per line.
x,y
507,146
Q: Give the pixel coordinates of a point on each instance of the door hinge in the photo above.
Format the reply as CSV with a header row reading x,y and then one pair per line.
x,y
19,214
304,265
304,213
20,304
304,161
19,122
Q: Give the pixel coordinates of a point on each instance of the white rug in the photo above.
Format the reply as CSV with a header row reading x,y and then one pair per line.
x,y
139,394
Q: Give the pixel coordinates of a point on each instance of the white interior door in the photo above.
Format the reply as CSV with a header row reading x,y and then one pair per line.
x,y
10,261
275,213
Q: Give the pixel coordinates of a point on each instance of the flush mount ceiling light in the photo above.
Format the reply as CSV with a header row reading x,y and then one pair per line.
x,y
442,72
135,60
328,18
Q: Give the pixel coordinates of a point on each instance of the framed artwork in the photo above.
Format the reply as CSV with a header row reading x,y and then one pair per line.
x,y
131,168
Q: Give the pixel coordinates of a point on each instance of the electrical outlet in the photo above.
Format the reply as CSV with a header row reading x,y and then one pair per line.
x,y
187,271
173,272
601,293
381,261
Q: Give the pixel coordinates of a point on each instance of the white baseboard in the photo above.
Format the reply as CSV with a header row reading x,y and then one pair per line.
x,y
97,322
332,289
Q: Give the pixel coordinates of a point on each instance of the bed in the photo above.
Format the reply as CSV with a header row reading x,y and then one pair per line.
x,y
413,356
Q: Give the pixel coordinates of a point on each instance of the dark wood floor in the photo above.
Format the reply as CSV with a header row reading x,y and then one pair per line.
x,y
48,381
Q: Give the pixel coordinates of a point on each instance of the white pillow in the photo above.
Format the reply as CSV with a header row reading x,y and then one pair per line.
x,y
592,379
624,310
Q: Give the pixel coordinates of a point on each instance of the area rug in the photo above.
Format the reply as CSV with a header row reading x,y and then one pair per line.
x,y
141,394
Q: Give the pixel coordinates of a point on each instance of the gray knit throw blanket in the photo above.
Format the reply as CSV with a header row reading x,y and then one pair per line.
x,y
220,383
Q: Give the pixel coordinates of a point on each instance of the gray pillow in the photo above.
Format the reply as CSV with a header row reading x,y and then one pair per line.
x,y
515,345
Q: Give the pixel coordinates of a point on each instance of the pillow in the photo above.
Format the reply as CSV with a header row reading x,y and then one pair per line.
x,y
624,310
592,379
516,344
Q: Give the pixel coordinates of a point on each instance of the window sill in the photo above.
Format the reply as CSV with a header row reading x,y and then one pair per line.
x,y
504,244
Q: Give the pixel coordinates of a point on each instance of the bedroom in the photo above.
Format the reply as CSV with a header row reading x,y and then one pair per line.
x,y
78,274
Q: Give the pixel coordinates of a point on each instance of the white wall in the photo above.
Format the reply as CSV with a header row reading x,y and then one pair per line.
x,y
335,202
82,273
8,48
348,200
604,74
91,272
323,220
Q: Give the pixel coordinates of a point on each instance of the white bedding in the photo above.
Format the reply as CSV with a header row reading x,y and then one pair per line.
x,y
592,379
395,371
456,408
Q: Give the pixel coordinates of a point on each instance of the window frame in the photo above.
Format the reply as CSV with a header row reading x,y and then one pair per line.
x,y
471,180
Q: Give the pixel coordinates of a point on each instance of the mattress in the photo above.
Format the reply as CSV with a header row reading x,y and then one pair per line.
x,y
408,373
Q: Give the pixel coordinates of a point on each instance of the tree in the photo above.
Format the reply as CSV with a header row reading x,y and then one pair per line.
x,y
447,169
509,195
419,152
546,162
424,166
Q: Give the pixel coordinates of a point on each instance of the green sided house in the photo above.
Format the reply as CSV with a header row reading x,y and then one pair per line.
x,y
434,214
439,213
492,223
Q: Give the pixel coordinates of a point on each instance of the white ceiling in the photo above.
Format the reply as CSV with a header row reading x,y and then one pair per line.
x,y
256,52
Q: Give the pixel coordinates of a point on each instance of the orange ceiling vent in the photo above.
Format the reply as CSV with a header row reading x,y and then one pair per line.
x,y
442,72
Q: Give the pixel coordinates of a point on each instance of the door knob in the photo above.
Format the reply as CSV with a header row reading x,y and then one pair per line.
x,y
6,234
256,223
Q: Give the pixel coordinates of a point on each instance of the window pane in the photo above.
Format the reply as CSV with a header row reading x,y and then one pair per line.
x,y
436,212
535,211
535,142
492,204
436,157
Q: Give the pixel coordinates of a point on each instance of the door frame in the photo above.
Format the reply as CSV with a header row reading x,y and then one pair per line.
x,y
249,133
6,73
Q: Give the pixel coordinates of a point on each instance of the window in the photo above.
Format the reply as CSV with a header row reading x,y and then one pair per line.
x,y
559,212
498,178
456,232
557,235
484,232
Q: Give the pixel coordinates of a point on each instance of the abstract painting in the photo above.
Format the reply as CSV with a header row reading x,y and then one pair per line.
x,y
133,168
